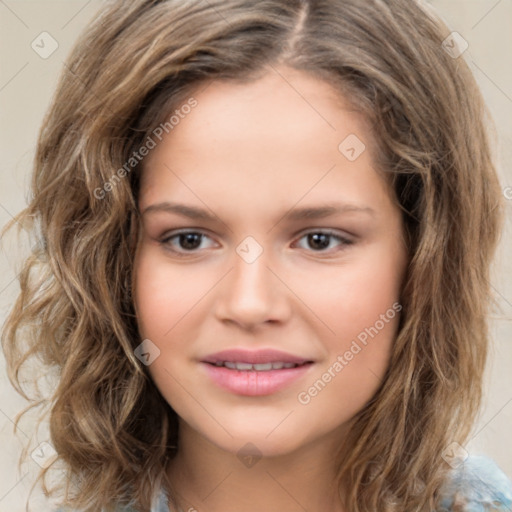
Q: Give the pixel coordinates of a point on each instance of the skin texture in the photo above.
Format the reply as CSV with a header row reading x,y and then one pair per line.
x,y
249,154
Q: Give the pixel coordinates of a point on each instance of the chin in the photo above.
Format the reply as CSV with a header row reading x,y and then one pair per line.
x,y
248,444
267,438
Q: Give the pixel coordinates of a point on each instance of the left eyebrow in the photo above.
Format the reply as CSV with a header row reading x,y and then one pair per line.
x,y
327,211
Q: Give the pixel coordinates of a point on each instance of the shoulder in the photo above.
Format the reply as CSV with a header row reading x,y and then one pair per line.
x,y
476,485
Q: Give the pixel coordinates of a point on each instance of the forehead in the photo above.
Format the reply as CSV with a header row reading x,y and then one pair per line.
x,y
284,132
284,100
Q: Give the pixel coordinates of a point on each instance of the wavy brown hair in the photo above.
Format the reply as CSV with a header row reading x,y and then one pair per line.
x,y
136,62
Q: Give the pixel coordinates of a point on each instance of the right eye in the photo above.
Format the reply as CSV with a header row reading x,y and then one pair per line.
x,y
184,242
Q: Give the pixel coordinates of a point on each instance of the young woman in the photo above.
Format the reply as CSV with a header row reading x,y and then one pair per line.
x,y
262,272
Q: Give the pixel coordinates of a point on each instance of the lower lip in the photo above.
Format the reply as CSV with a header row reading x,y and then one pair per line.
x,y
254,383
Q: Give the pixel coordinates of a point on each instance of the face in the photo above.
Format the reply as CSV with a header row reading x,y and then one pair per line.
x,y
269,270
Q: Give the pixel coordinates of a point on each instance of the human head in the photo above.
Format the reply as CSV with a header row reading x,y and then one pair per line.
x,y
134,66
251,155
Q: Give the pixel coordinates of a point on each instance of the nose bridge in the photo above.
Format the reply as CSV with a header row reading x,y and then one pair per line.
x,y
251,293
251,277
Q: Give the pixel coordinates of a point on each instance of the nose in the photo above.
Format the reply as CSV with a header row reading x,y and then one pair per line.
x,y
252,294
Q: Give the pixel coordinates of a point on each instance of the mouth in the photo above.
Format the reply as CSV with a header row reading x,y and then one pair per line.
x,y
257,358
255,373
261,367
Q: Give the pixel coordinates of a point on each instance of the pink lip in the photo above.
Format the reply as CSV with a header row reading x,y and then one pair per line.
x,y
252,382
254,357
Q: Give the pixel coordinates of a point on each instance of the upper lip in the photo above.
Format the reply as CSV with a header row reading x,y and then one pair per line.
x,y
254,357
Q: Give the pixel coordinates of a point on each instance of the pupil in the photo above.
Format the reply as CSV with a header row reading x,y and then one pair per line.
x,y
187,240
320,240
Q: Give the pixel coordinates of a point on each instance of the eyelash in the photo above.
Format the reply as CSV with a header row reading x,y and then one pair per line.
x,y
165,241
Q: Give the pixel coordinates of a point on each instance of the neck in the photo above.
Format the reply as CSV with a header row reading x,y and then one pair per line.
x,y
205,477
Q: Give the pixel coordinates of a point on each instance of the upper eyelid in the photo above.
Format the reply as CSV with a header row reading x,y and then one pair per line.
x,y
173,233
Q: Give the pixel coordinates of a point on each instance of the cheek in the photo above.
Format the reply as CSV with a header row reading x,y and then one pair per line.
x,y
357,355
373,288
359,303
163,293
352,296
165,297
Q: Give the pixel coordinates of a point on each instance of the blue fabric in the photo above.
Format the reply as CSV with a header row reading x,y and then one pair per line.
x,y
476,485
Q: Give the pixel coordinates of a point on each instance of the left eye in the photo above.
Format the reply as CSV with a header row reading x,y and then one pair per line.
x,y
190,241
321,240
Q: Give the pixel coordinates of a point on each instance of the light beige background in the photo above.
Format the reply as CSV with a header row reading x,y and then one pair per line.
x,y
27,82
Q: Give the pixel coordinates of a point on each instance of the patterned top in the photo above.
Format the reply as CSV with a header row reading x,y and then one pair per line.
x,y
476,485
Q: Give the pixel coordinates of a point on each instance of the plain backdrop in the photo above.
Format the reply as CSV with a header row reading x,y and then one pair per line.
x,y
28,78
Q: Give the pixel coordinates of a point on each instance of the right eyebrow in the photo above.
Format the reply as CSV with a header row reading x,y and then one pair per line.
x,y
192,212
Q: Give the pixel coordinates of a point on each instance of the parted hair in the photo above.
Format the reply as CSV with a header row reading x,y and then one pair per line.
x,y
135,63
